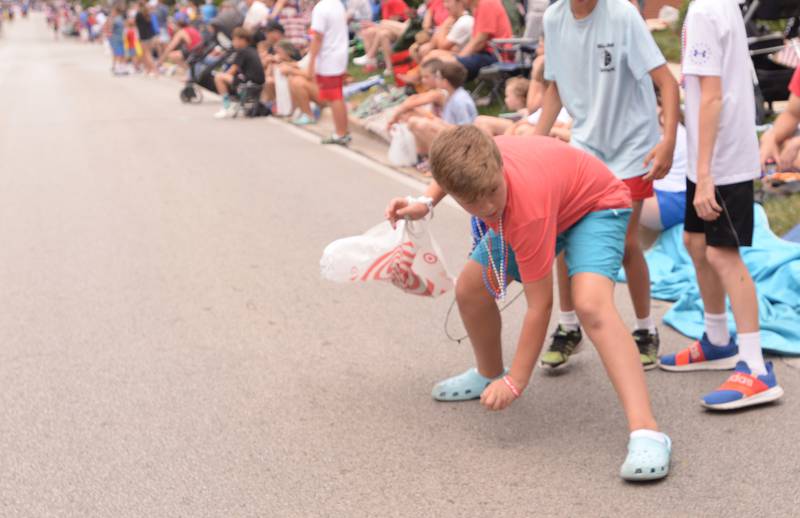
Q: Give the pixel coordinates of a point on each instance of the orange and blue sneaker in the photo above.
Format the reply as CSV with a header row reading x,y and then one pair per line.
x,y
742,389
702,355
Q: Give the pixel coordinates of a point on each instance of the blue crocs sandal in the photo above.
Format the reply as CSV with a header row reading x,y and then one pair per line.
x,y
465,386
648,459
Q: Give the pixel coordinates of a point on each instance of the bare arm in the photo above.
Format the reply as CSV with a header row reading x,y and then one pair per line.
x,y
401,208
277,8
661,155
539,295
551,105
415,101
176,40
781,134
313,52
476,44
710,107
538,86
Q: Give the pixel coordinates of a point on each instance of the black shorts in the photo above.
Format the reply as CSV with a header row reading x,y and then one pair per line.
x,y
734,226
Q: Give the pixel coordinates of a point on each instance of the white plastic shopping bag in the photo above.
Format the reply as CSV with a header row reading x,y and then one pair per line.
x,y
403,147
406,256
283,98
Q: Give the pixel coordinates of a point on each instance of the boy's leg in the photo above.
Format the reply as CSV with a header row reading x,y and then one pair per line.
x,y
715,350
567,336
425,130
637,272
301,94
594,302
386,41
492,126
594,250
739,285
339,110
638,276
481,318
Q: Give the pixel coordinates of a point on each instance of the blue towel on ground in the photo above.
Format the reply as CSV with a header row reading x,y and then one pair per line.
x,y
774,264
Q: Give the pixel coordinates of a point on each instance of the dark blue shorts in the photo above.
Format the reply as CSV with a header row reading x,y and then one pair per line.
x,y
475,62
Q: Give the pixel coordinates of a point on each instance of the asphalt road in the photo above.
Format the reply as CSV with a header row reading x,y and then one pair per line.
x,y
167,347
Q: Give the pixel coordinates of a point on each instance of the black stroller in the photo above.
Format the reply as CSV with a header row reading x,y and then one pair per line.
x,y
771,79
202,66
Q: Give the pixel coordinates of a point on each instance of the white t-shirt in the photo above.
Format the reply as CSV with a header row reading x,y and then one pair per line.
x,y
675,181
715,44
461,31
256,16
330,20
563,117
359,10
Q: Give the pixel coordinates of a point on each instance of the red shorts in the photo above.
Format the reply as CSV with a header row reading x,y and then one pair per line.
x,y
330,87
640,189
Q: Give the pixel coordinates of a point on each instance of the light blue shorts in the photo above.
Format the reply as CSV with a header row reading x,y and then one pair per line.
x,y
595,244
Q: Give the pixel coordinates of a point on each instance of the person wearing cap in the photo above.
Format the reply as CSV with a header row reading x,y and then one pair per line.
x,y
228,18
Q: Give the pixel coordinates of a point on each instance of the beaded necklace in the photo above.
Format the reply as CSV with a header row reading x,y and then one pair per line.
x,y
499,276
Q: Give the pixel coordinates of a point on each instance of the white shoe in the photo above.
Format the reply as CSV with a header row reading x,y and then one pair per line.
x,y
364,60
226,113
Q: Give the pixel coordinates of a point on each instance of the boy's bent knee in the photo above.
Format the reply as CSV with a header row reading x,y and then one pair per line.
x,y
723,259
469,287
696,245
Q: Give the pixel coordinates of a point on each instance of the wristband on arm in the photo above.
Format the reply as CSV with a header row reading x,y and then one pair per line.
x,y
427,200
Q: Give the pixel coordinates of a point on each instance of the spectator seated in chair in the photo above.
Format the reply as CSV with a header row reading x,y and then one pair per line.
x,y
394,14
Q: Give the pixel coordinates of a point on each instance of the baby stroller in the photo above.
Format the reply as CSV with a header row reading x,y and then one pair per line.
x,y
771,79
202,65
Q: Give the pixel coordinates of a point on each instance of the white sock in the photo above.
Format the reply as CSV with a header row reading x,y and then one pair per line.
x,y
650,434
750,353
568,320
717,329
646,323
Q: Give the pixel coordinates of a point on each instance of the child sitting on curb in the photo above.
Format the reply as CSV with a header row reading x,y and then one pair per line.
x,y
246,67
452,105
540,196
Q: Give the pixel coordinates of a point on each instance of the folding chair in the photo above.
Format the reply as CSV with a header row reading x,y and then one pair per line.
x,y
514,58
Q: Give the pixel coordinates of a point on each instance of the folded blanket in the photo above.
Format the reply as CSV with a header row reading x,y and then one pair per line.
x,y
774,264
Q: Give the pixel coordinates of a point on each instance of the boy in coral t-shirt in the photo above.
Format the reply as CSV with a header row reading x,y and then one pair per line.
x,y
540,196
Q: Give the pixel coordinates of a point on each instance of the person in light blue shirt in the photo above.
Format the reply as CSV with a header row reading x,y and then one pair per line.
x,y
602,63
208,11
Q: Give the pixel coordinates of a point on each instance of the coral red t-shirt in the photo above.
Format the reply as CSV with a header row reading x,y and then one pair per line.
x,y
551,186
491,18
794,85
439,12
394,10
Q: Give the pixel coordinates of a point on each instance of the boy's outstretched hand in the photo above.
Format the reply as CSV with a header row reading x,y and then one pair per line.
x,y
497,396
401,208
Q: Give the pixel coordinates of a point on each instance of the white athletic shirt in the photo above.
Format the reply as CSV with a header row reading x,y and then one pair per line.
x,y
461,31
675,181
715,44
330,20
256,16
563,117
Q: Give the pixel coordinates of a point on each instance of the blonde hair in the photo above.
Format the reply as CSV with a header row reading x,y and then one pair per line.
x,y
465,162
519,86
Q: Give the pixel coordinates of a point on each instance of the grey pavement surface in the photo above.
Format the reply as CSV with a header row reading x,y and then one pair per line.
x,y
168,349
